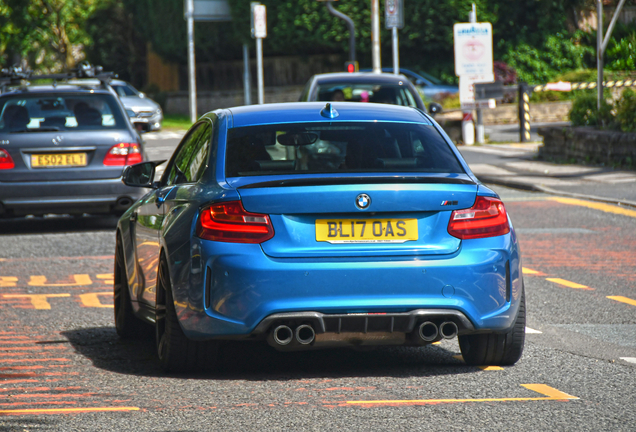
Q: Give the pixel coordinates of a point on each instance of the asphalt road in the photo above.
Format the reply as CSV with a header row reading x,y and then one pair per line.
x,y
63,368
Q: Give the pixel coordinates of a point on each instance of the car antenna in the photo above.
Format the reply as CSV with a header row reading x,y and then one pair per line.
x,y
329,111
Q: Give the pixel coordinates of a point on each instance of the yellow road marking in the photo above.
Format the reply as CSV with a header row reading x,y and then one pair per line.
x,y
8,281
526,270
108,278
568,284
80,280
490,368
549,392
92,300
623,299
39,301
608,208
66,410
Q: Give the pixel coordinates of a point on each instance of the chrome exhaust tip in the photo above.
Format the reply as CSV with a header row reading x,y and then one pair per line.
x,y
448,329
428,331
283,335
305,334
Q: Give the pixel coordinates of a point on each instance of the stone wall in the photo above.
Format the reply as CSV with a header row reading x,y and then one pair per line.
x,y
586,144
548,112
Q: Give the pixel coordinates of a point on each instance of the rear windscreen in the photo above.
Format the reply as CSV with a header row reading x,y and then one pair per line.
x,y
388,93
61,112
316,148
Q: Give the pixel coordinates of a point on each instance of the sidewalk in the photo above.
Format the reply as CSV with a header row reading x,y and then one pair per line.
x,y
515,165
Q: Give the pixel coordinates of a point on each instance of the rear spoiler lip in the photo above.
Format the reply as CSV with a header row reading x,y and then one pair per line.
x,y
326,181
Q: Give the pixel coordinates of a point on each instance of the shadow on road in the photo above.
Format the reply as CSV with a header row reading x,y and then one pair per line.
x,y
258,361
56,224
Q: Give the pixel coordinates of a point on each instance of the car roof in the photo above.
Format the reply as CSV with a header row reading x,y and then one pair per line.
x,y
307,112
360,77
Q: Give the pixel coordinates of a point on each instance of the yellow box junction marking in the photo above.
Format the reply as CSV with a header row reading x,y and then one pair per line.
x,y
80,280
65,410
107,278
39,301
92,299
568,284
490,368
623,300
8,281
526,270
608,208
549,393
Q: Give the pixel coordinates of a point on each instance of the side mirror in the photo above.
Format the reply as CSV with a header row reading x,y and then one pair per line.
x,y
435,108
141,174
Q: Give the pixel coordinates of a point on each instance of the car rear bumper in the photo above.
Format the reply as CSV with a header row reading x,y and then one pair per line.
x,y
84,196
234,288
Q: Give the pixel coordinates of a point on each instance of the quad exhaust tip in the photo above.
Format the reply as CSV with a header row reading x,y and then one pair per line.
x,y
283,335
428,331
448,329
305,334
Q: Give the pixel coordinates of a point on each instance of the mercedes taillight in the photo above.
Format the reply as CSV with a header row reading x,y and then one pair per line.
x,y
123,154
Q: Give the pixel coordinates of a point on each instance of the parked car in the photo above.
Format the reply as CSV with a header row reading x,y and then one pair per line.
x,y
365,87
147,113
310,225
63,148
431,88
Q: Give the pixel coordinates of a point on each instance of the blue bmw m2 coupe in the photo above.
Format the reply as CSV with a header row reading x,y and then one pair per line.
x,y
310,225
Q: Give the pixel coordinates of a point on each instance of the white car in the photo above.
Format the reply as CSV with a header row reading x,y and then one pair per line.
x,y
147,113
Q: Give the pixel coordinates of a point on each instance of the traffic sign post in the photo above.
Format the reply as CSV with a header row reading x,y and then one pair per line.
x,y
259,31
394,20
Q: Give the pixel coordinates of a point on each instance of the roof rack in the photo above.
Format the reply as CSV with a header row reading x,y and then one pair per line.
x,y
16,76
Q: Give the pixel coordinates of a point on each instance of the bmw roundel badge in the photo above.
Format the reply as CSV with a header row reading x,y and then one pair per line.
x,y
363,201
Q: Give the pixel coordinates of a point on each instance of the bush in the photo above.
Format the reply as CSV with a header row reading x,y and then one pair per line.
x,y
585,113
626,111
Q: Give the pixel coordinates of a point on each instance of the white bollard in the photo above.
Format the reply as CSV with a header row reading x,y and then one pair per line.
x,y
468,128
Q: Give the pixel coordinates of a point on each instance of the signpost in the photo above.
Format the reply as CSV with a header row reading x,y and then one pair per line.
x,y
473,64
259,31
200,10
394,20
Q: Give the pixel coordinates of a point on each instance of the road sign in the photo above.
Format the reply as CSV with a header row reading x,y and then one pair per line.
x,y
259,21
209,10
473,49
394,14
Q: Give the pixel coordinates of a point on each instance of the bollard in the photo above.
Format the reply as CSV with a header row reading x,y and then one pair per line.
x,y
468,128
524,113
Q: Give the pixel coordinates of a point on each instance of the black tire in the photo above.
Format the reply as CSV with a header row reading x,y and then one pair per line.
x,y
176,352
496,349
128,326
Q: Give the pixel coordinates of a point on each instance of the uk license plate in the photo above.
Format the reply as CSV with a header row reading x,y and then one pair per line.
x,y
366,230
58,160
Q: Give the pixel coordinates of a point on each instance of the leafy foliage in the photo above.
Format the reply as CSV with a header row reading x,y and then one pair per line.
x,y
585,112
626,111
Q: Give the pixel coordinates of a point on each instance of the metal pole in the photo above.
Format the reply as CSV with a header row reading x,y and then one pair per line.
x,y
192,84
396,53
524,113
479,127
350,25
599,54
259,70
375,36
246,75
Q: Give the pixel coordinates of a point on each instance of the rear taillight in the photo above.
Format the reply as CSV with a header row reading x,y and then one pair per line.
x,y
487,218
6,162
123,154
230,222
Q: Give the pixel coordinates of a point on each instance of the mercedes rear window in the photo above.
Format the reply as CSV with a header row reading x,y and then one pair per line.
x,y
320,148
59,112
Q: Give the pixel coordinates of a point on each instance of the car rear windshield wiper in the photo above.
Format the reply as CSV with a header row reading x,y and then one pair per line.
x,y
44,129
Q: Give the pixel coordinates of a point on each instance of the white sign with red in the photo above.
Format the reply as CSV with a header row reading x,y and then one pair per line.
x,y
394,14
260,21
473,49
467,91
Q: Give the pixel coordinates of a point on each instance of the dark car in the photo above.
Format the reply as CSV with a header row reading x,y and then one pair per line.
x,y
364,87
431,88
314,225
63,148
